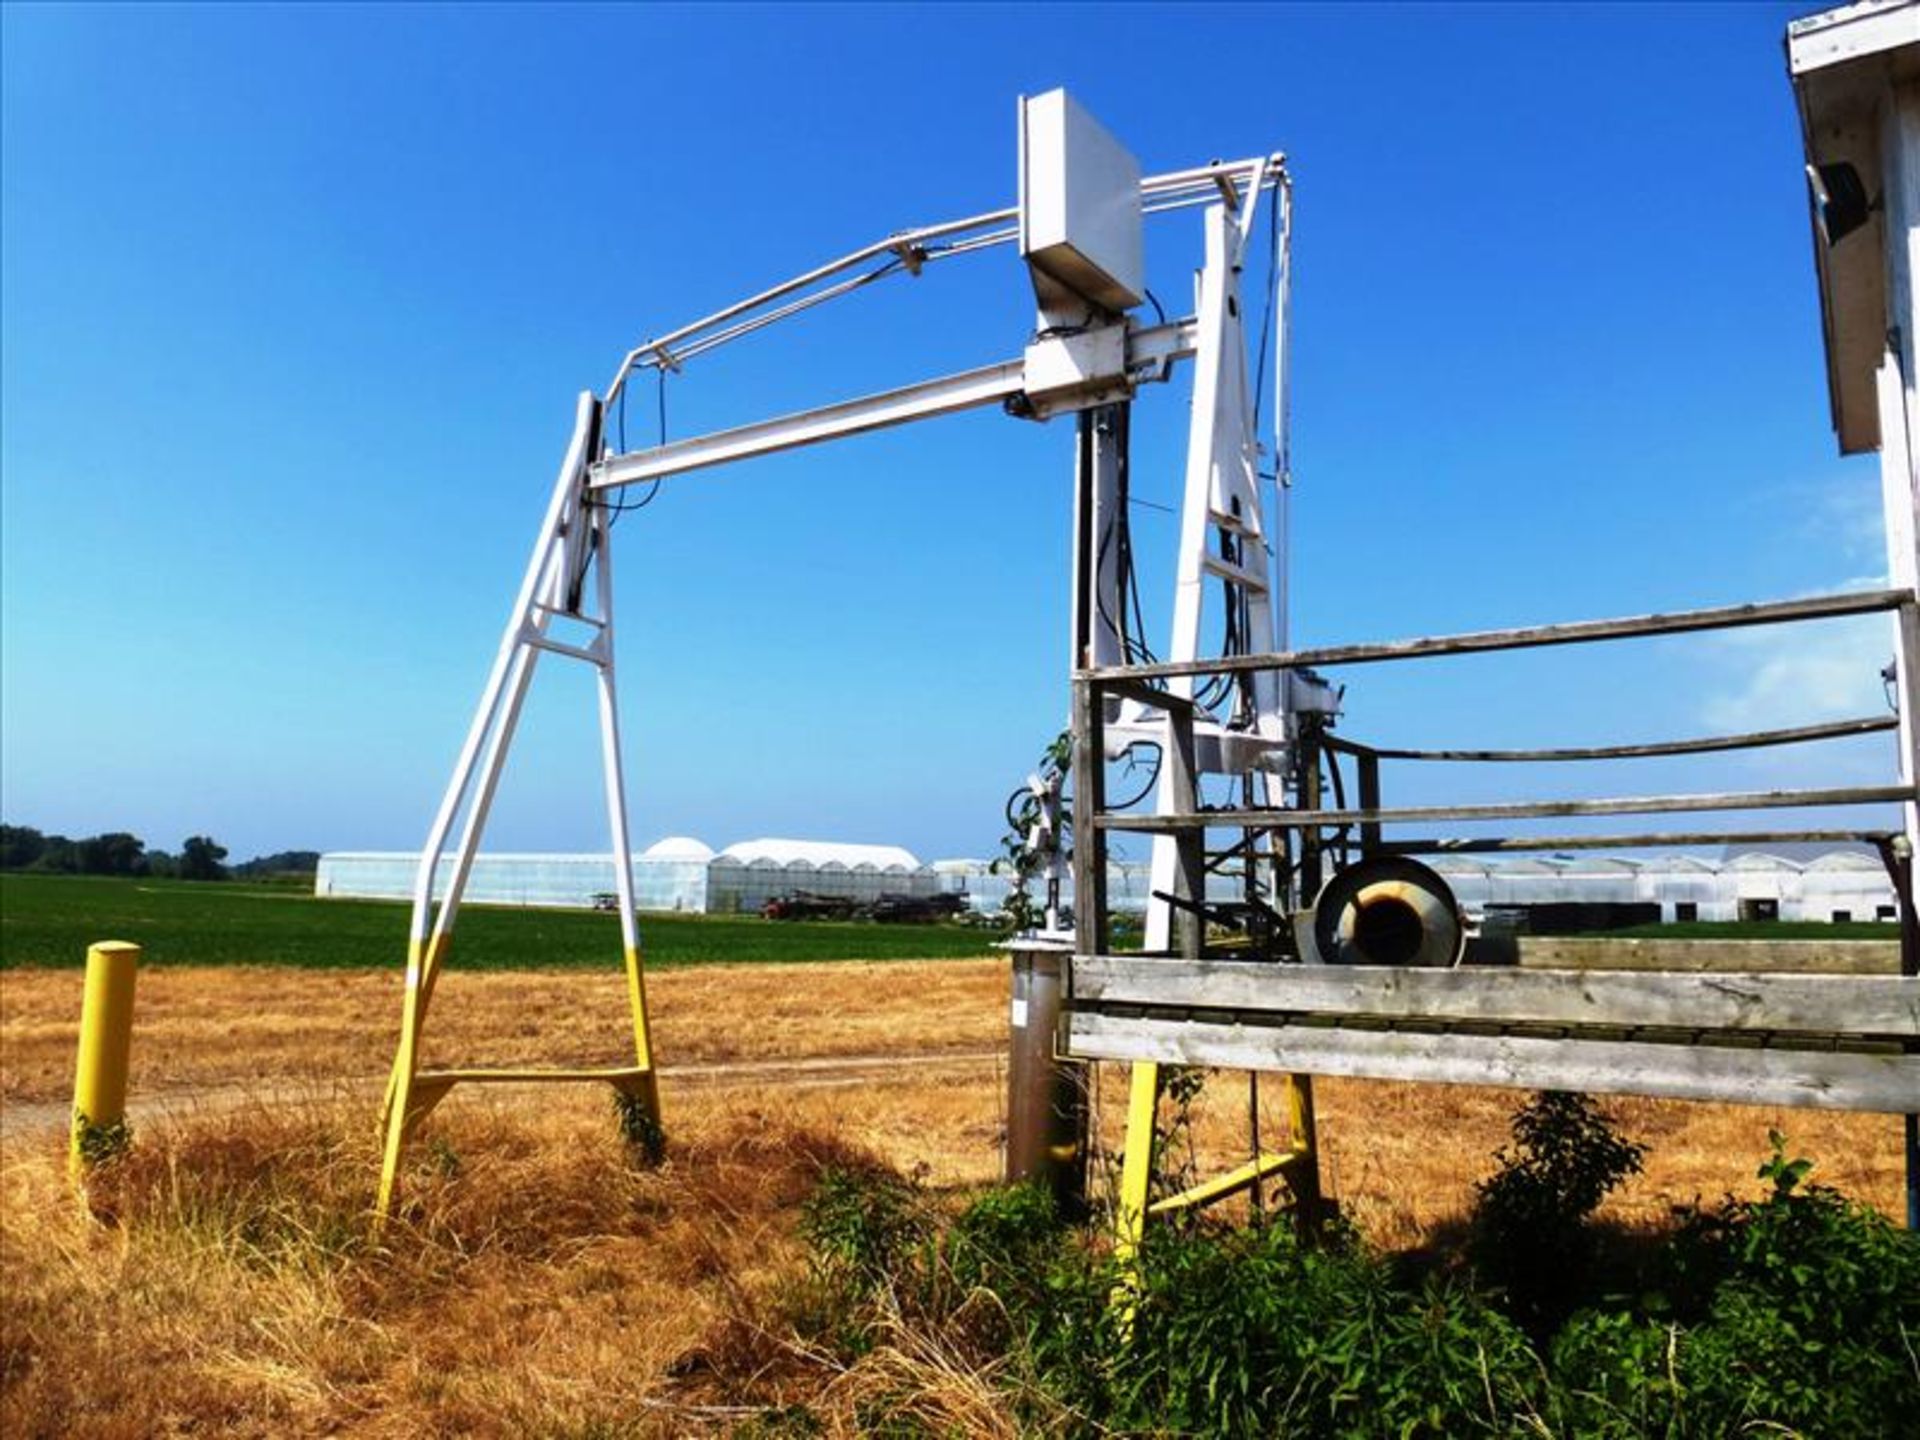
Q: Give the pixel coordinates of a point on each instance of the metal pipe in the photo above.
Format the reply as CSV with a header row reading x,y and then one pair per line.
x,y
1175,190
1046,1097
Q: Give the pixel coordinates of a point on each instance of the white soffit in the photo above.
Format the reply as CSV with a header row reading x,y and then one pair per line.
x,y
1843,62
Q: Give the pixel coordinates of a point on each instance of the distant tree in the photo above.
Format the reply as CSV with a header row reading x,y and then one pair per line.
x,y
20,846
60,856
281,862
163,866
200,857
115,853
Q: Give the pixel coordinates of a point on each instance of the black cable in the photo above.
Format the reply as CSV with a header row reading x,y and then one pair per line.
x,y
1154,301
1137,649
620,507
616,508
1152,780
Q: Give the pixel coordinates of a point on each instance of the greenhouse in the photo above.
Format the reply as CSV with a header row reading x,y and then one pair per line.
x,y
675,874
683,874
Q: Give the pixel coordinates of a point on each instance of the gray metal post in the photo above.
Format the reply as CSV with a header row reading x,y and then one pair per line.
x,y
1046,1097
1046,1094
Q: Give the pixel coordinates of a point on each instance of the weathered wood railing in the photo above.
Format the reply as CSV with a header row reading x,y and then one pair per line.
x,y
1824,1041
1842,1042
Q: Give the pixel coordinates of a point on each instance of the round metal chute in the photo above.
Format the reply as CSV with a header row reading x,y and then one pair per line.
x,y
1388,911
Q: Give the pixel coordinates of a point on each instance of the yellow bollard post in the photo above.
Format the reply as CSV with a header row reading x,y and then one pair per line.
x,y
106,1043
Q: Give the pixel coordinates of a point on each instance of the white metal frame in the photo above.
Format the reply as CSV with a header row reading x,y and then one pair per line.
x,y
1057,374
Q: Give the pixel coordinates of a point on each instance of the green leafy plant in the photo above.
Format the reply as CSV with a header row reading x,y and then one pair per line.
x,y
1793,1314
1019,857
1530,1237
861,1225
99,1144
638,1128
1798,1313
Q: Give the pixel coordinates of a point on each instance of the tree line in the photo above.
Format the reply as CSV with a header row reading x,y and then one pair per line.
x,y
117,852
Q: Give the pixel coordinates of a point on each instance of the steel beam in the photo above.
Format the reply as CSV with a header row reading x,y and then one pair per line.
x,y
1147,349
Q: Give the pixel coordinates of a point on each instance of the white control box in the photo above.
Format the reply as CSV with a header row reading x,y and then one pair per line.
x,y
1081,227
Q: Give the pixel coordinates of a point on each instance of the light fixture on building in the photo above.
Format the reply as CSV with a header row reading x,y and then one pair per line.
x,y
1840,204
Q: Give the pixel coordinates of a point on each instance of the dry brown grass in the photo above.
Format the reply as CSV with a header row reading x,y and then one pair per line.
x,y
539,1283
214,1026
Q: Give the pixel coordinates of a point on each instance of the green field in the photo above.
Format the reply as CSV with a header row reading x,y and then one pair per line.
x,y
1756,930
50,920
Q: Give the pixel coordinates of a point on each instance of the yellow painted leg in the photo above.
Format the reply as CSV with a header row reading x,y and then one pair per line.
x,y
397,1116
1304,1177
1136,1170
647,1089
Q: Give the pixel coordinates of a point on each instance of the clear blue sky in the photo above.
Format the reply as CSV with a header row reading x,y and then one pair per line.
x,y
296,301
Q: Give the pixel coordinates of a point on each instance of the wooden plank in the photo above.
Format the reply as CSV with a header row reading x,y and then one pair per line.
x,y
1736,957
1849,1005
1477,844
1515,810
1808,1079
1678,622
1752,740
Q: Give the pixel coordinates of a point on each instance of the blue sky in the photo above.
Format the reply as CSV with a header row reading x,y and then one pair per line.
x,y
296,301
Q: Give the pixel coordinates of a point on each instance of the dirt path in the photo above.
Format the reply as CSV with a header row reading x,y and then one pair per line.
x,y
19,1119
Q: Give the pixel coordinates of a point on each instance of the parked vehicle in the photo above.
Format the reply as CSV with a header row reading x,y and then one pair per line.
x,y
915,909
805,905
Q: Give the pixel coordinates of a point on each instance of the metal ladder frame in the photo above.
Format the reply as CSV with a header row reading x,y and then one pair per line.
x,y
574,543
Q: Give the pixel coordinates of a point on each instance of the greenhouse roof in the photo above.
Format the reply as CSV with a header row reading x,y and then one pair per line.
x,y
822,852
678,847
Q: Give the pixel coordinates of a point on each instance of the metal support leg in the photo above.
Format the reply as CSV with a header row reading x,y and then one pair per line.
x,y
645,1089
573,534
1303,1174
1136,1167
1182,788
